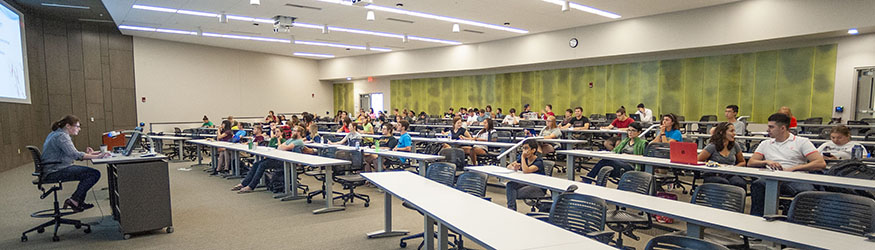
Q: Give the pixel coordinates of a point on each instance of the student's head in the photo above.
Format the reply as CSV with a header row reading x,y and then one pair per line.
x,y
353,127
298,132
578,111
731,111
641,107
621,112
206,119
634,129
451,109
569,112
472,111
457,122
499,110
488,108
231,118
270,112
551,122
723,132
387,129
671,121
527,107
480,112
395,111
463,110
404,125
314,130
785,110
840,135
226,125
548,108
531,146
512,111
370,110
779,125
346,121
487,125
70,124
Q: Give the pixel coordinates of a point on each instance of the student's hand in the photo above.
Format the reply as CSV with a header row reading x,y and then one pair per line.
x,y
830,157
774,165
89,150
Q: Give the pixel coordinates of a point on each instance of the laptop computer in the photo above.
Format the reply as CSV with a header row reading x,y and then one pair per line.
x,y
684,152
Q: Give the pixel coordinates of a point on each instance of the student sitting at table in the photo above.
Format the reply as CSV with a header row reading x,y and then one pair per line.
x,y
529,162
235,125
784,152
548,111
487,112
224,159
669,130
457,132
580,122
566,122
463,112
367,127
207,123
645,114
499,115
270,117
473,117
386,141
551,131
632,144
449,114
257,134
621,122
511,118
405,143
346,126
253,177
724,150
840,146
276,136
482,135
786,110
350,137
526,110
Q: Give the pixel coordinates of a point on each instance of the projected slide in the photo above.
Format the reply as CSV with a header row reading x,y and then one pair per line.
x,y
13,86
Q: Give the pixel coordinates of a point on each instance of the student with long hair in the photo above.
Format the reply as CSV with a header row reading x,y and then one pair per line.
x,y
669,130
224,158
59,151
724,150
483,135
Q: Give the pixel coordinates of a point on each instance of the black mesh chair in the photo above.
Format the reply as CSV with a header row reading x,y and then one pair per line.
x,y
845,213
540,203
348,176
671,179
812,130
704,129
625,222
721,196
673,242
441,172
56,213
456,156
473,184
601,179
859,131
579,213
319,174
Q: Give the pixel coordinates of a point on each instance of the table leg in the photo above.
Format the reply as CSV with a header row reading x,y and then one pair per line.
x,y
422,168
569,166
695,231
200,156
236,165
442,237
213,157
387,213
181,148
428,233
293,193
771,201
329,193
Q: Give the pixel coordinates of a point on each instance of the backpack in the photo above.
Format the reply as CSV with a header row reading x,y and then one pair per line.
x,y
274,180
852,169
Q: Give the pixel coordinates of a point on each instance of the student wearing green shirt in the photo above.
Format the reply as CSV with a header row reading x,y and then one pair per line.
x,y
632,144
207,123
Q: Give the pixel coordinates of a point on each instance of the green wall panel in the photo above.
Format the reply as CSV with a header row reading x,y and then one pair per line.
x,y
343,97
759,83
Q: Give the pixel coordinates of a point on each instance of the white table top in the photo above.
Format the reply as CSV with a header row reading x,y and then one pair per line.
x,y
277,154
382,152
134,157
169,137
486,223
594,131
777,231
816,179
465,142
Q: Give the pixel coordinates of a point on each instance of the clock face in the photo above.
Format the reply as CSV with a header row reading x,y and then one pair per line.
x,y
573,43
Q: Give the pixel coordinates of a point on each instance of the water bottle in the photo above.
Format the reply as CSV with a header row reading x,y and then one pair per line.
x,y
857,152
377,145
357,144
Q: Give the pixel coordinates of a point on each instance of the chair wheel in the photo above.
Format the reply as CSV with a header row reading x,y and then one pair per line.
x,y
403,244
78,226
56,238
309,200
88,230
23,238
41,230
367,204
127,236
169,230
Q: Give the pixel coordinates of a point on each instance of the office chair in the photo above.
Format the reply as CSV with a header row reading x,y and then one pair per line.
x,y
540,203
348,176
319,175
602,177
844,213
720,196
812,130
662,150
441,172
456,156
56,213
704,129
579,213
672,242
624,222
858,131
609,117
473,184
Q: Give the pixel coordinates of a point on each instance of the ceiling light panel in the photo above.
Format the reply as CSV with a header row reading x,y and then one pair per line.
x,y
585,8
313,55
445,18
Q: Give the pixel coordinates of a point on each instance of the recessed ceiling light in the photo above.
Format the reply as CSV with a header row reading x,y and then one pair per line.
x,y
313,54
456,28
853,31
65,6
370,16
585,8
296,24
349,78
255,2
444,18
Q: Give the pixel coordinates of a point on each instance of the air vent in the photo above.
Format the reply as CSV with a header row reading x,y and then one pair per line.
x,y
473,31
303,6
399,20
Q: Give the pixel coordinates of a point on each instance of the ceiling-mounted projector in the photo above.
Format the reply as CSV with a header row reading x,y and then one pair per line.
x,y
283,23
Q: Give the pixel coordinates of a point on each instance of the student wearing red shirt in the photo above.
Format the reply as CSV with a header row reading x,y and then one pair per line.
x,y
621,123
786,110
548,111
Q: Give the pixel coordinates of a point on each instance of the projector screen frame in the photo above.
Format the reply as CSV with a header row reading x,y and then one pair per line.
x,y
21,22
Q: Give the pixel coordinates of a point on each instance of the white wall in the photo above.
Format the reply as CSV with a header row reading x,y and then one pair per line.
x,y
362,86
183,82
852,52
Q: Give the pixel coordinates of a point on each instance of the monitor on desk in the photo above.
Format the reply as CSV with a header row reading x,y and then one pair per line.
x,y
132,143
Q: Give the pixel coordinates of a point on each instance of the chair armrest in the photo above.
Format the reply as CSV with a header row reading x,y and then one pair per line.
x,y
775,217
584,177
601,236
545,217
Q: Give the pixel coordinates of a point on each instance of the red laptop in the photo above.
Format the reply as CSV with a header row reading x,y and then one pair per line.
x,y
684,152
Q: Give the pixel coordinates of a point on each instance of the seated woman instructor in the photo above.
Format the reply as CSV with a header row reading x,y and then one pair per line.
x,y
60,150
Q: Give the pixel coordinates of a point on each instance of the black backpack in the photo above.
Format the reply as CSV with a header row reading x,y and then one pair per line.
x,y
274,180
852,169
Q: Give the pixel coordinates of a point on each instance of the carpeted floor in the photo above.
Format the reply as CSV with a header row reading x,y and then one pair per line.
x,y
206,215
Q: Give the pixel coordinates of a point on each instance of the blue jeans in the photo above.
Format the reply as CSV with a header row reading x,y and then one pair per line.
x,y
619,168
86,176
254,175
726,179
758,193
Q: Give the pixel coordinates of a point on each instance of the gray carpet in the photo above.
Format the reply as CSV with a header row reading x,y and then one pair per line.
x,y
206,215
